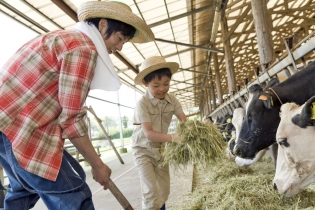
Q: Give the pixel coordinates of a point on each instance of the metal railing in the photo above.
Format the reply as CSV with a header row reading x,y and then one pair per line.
x,y
285,62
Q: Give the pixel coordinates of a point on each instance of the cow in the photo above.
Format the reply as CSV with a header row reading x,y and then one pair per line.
x,y
296,157
224,125
237,120
262,111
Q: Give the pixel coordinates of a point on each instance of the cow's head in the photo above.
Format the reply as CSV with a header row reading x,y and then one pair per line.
x,y
296,157
230,147
226,127
260,123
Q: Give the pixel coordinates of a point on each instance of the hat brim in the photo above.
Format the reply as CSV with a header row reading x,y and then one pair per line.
x,y
173,66
110,10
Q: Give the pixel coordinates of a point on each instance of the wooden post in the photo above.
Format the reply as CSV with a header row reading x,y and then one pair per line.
x,y
263,28
229,63
90,109
1,175
212,95
217,78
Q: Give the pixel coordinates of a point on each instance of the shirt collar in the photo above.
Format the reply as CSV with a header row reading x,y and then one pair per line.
x,y
154,101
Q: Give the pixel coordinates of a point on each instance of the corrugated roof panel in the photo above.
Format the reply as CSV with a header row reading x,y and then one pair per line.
x,y
171,48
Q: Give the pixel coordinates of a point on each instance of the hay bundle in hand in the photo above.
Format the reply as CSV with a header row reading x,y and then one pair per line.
x,y
200,143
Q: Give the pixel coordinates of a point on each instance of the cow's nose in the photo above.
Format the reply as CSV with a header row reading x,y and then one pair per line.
x,y
237,150
275,186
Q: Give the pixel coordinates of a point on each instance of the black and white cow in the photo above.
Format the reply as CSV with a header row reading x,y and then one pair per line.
x,y
262,111
237,120
238,115
296,153
224,124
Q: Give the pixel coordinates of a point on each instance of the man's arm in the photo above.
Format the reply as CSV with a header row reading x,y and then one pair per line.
x,y
100,171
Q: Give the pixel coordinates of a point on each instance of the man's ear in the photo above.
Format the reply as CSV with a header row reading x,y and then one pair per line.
x,y
144,83
102,26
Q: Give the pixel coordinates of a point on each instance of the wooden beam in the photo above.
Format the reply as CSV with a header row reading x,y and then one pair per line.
x,y
237,23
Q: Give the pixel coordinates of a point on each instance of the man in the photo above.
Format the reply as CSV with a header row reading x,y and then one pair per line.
x,y
43,88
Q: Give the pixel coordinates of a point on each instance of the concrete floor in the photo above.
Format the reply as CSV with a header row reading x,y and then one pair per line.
x,y
126,178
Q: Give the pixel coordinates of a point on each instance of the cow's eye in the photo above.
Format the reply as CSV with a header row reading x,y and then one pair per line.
x,y
283,142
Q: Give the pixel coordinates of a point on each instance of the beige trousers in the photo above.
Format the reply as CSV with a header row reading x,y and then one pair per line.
x,y
154,178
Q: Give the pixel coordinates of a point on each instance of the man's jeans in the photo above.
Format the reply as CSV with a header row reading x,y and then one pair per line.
x,y
69,191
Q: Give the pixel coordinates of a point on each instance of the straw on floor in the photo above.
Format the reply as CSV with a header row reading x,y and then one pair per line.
x,y
227,186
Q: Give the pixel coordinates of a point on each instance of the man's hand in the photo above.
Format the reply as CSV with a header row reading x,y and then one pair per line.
x,y
100,171
101,175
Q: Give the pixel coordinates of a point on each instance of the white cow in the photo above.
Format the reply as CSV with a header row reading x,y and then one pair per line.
x,y
296,156
237,120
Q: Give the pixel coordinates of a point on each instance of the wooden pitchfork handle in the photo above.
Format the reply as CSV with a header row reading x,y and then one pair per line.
x,y
119,196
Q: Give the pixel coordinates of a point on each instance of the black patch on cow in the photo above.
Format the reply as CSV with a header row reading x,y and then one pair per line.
x,y
304,118
271,83
255,88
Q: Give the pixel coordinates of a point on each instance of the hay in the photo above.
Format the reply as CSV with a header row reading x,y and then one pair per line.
x,y
225,185
200,143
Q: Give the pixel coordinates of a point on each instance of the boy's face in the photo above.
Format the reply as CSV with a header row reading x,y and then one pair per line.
x,y
158,88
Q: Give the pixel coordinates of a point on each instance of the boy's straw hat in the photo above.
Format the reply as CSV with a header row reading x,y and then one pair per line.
x,y
154,63
117,11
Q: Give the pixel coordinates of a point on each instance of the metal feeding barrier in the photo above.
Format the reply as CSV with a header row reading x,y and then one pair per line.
x,y
284,63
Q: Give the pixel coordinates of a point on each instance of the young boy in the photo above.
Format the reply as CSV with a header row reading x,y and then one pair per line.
x,y
153,115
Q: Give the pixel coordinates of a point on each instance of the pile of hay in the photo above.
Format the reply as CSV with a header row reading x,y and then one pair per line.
x,y
200,143
225,185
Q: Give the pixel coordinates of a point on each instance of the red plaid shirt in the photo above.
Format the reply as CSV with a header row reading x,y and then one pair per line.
x,y
42,89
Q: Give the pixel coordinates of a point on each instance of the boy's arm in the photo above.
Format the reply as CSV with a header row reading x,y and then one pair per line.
x,y
154,135
182,117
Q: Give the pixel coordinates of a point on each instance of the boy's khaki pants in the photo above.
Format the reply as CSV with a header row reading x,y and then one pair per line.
x,y
154,178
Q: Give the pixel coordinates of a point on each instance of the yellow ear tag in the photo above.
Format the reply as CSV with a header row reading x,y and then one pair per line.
x,y
263,98
313,111
229,120
271,101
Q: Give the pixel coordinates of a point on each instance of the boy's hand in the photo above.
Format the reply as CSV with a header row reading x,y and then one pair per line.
x,y
176,137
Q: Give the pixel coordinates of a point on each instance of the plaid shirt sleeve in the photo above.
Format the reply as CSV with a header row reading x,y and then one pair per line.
x,y
72,86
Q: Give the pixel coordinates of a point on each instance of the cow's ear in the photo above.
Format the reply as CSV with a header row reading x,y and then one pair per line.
x,y
267,100
307,115
254,88
271,83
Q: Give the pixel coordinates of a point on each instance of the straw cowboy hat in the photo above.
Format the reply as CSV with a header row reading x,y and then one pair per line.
x,y
154,63
117,11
